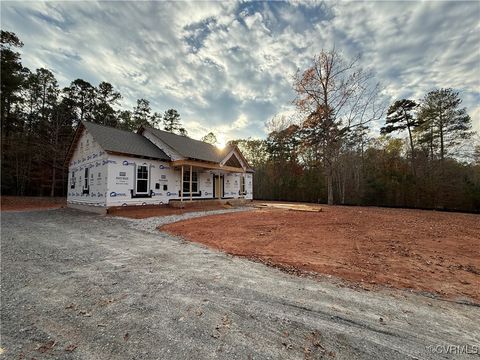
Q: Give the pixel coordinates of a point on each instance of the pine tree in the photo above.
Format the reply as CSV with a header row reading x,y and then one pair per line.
x,y
400,117
171,121
443,123
210,138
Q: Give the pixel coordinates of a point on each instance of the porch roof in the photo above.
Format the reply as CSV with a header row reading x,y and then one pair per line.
x,y
207,165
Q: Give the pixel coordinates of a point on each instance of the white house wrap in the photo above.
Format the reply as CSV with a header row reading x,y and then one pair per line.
x,y
112,167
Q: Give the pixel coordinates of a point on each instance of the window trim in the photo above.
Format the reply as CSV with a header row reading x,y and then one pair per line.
x,y
186,183
147,180
86,181
72,180
243,181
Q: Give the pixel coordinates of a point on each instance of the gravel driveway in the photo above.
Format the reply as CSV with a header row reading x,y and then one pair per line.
x,y
81,286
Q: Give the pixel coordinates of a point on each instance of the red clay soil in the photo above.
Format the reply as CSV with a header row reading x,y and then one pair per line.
x,y
428,251
140,212
18,203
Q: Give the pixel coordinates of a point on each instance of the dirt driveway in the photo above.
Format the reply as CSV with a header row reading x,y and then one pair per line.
x,y
79,286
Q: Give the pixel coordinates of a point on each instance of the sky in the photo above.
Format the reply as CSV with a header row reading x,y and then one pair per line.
x,y
227,67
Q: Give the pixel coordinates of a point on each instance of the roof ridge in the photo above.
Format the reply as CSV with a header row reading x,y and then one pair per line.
x,y
107,126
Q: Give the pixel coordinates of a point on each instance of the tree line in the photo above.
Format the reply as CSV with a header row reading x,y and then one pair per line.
x,y
39,120
328,151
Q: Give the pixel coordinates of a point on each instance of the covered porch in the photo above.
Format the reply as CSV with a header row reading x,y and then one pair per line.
x,y
203,181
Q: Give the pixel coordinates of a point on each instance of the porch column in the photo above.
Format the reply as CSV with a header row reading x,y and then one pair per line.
x,y
181,186
190,183
219,188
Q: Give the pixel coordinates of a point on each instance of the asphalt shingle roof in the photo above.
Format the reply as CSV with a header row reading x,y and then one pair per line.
x,y
190,148
122,141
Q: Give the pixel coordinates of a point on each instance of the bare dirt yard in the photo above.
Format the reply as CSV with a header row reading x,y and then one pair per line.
x,y
19,203
426,251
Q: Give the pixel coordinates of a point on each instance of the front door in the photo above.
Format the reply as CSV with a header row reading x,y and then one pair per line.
x,y
218,186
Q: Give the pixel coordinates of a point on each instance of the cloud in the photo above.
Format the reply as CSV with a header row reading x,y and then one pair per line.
x,y
228,66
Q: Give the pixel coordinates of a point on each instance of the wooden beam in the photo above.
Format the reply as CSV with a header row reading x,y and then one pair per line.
x,y
190,183
206,165
181,186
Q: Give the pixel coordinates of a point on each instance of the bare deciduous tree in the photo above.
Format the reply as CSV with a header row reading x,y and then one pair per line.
x,y
335,96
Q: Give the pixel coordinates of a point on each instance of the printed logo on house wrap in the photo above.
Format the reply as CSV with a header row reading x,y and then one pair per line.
x,y
163,167
114,194
126,162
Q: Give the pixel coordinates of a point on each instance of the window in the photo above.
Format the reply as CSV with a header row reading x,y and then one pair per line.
x,y
85,181
186,182
72,180
142,179
242,184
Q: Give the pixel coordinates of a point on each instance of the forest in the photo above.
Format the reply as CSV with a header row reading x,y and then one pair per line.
x,y
329,150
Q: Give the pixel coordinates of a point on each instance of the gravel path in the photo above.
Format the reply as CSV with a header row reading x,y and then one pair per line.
x,y
81,286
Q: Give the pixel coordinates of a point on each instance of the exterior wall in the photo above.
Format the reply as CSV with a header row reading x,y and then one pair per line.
x,y
249,186
121,182
87,154
232,186
122,176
